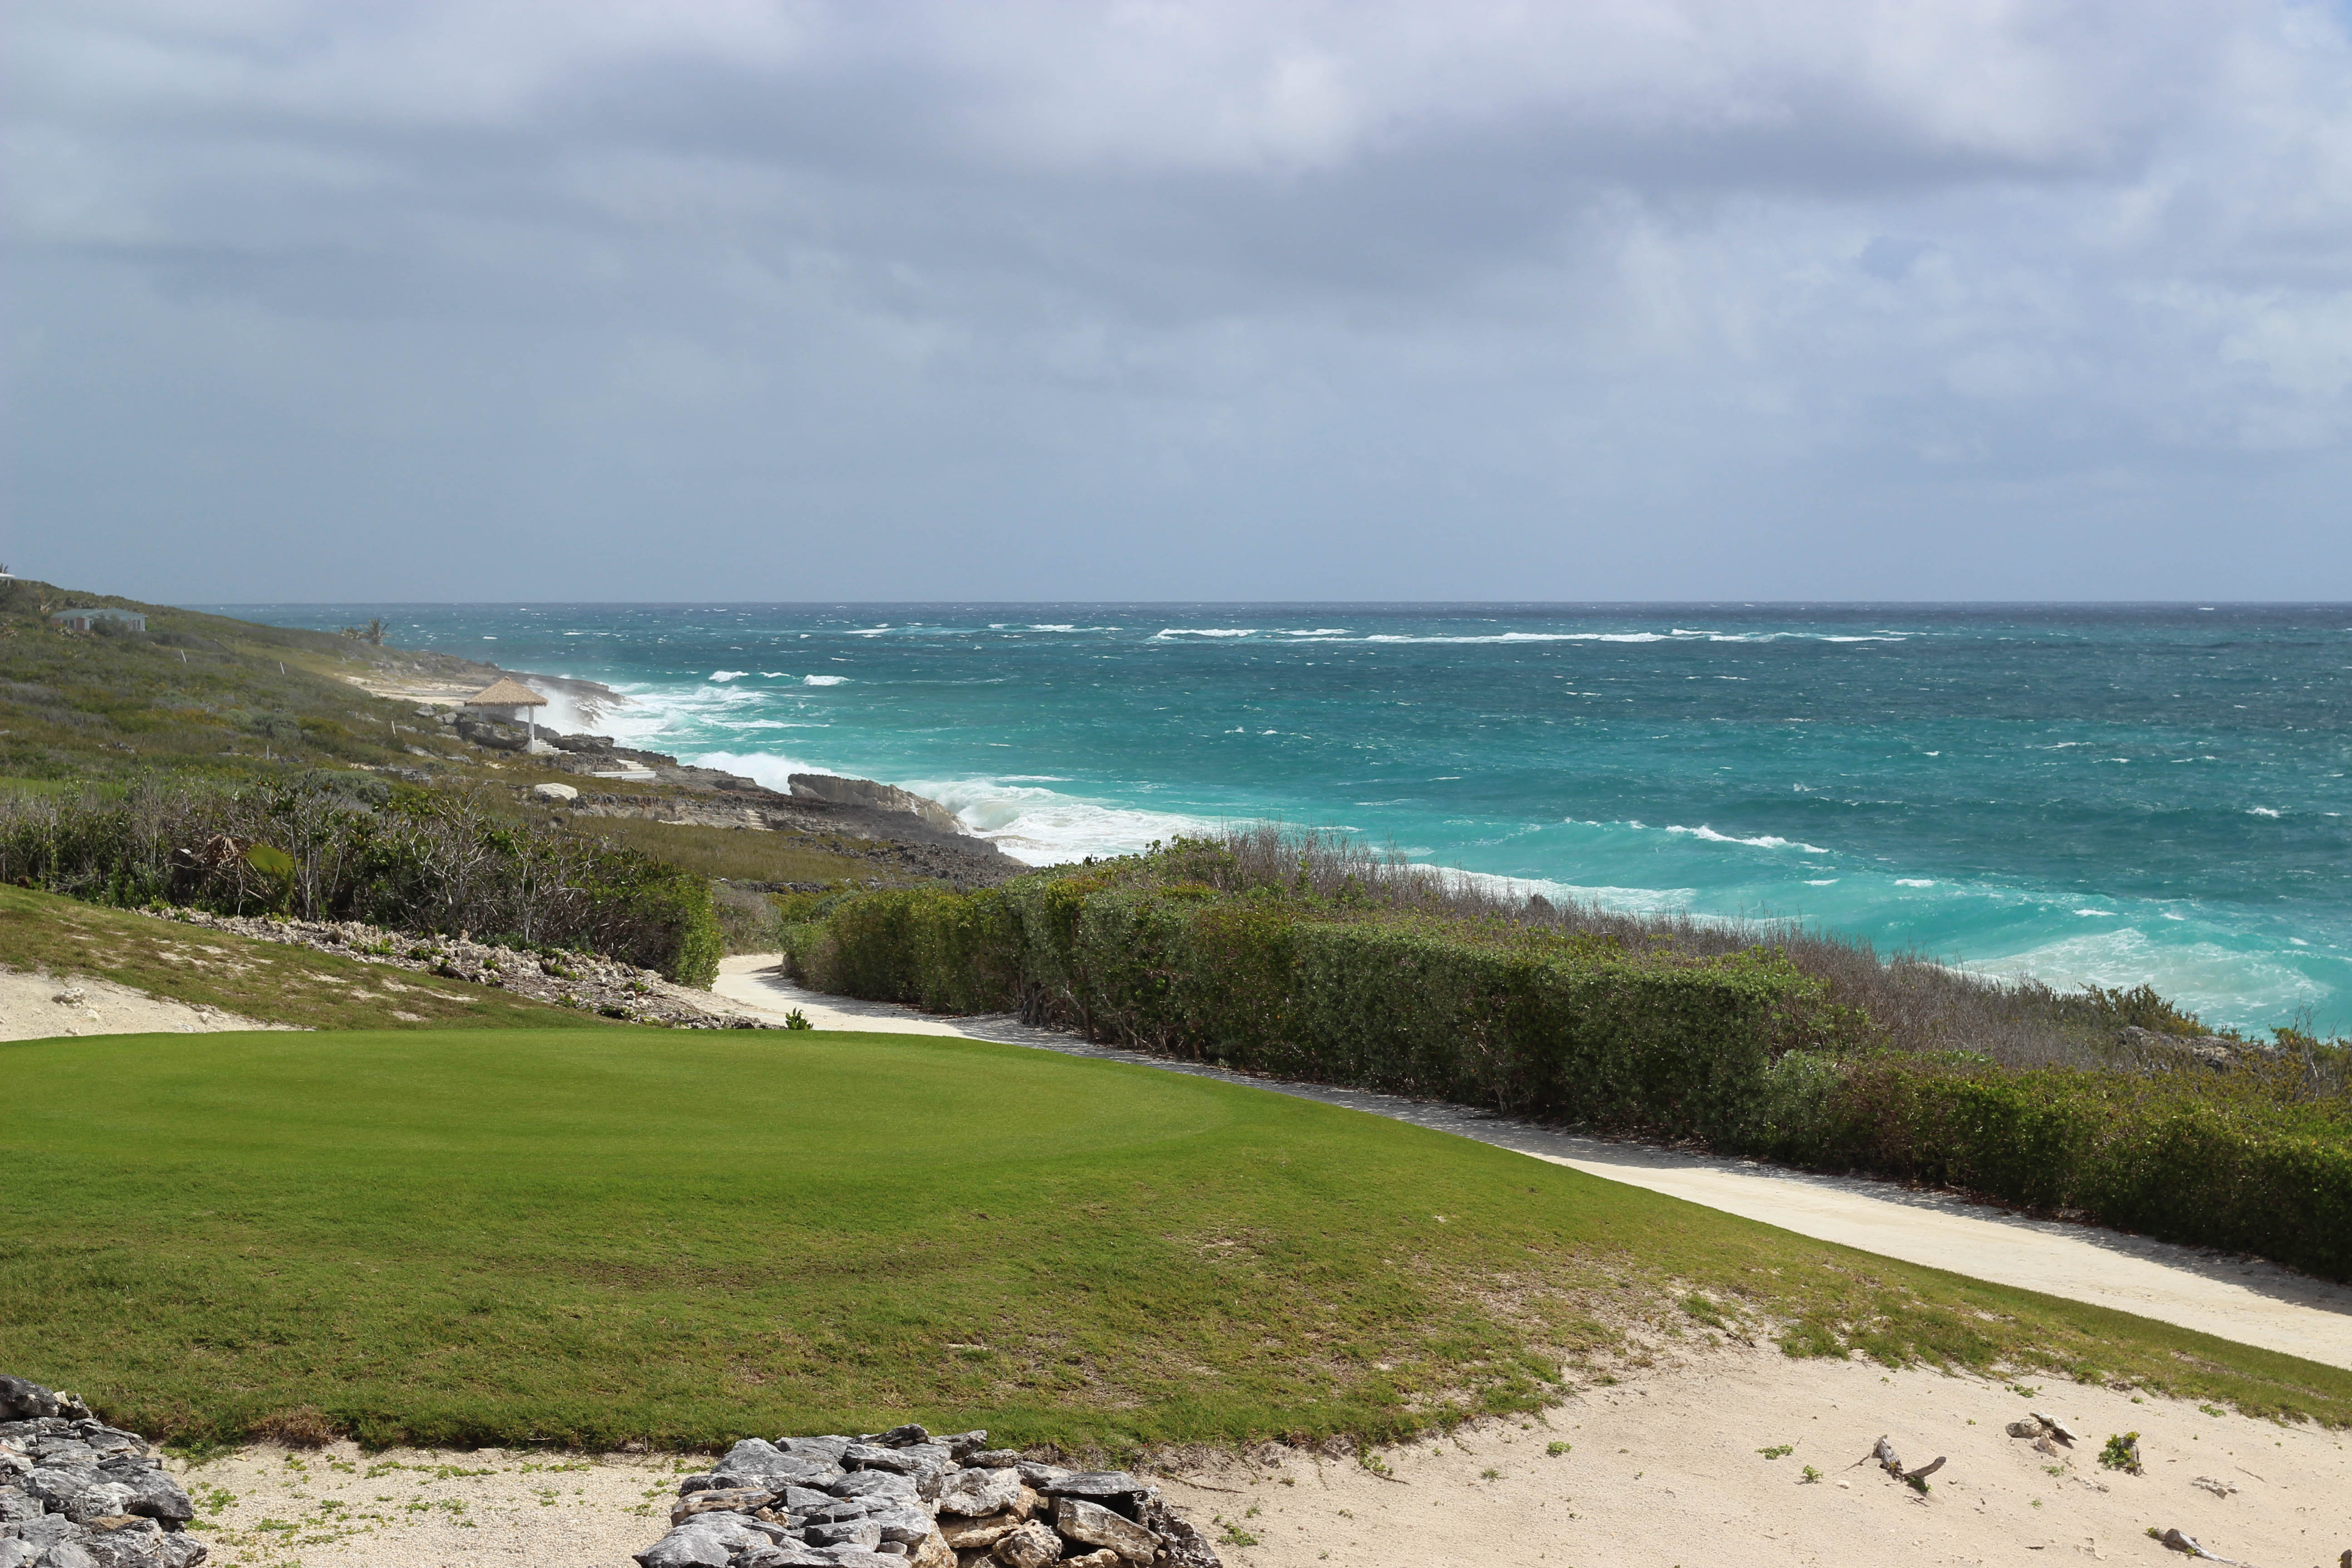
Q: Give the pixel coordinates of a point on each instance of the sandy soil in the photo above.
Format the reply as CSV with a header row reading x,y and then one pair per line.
x,y
1662,1470
41,1007
1666,1470
2240,1299
267,1506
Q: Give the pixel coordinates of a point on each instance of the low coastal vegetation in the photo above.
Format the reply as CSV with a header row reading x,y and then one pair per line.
x,y
1306,956
589,1237
350,846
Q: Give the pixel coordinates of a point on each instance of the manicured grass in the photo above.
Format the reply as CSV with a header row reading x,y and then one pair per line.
x,y
588,1235
272,982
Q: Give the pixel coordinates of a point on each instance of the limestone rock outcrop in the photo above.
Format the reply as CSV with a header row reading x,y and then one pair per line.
x,y
903,1498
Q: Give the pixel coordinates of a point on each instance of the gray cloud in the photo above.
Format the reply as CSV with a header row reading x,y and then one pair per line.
x,y
1966,300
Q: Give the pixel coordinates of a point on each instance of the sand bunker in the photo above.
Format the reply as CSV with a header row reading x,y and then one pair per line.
x,y
1668,1467
41,1007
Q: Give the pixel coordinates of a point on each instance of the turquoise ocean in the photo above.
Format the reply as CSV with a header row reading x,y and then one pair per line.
x,y
2108,793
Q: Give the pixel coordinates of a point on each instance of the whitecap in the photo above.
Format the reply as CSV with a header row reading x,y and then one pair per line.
x,y
726,675
2097,914
1206,632
1524,636
825,680
1913,882
1822,882
2260,811
1046,827
1762,841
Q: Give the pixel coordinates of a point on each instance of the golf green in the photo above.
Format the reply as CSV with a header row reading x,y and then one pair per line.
x,y
584,1236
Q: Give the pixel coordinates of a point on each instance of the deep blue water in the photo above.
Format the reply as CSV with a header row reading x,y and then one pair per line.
x,y
2116,793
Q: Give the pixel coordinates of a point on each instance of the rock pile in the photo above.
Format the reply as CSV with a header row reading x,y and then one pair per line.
x,y
580,980
903,1498
76,1493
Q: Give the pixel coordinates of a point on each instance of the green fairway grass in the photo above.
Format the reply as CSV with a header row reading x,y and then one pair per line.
x,y
586,1235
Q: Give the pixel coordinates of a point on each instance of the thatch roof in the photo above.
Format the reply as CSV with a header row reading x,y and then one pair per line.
x,y
506,691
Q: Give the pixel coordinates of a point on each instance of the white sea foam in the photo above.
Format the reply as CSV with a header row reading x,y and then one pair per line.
x,y
1206,632
2203,976
722,676
825,680
2260,811
1914,882
1524,636
1045,827
1762,841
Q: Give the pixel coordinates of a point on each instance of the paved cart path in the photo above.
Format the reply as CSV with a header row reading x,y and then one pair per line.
x,y
2245,1300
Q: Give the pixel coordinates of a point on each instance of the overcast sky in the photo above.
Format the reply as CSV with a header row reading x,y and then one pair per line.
x,y
767,300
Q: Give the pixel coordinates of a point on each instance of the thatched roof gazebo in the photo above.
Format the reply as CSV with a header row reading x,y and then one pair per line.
x,y
509,698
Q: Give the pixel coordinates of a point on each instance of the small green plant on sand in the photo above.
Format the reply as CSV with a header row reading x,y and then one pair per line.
x,y
1235,1535
1556,1450
1810,1476
796,1019
1778,1450
2122,1453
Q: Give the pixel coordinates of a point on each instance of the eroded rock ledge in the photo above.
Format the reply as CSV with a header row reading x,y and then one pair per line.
x,y
903,1498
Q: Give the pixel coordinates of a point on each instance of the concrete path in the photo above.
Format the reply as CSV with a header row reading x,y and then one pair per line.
x,y
2245,1300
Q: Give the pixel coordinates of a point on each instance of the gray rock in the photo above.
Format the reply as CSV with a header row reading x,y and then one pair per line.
x,y
908,1526
858,1557
975,1492
21,1399
877,1483
1034,1545
829,1449
1038,1475
101,1499
68,1554
1182,1546
708,1540
785,1554
993,1459
16,1503
153,1494
803,1500
903,1437
864,1534
962,1446
1094,1525
1095,1486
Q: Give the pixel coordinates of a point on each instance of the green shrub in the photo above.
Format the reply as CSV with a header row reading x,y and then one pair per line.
x,y
421,860
1531,1023
2212,1160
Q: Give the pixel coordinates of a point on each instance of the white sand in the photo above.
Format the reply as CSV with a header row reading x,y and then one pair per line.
x,y
2245,1300
1665,1470
41,1007
267,1506
1662,1470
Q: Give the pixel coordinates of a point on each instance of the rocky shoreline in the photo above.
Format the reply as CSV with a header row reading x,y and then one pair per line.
x,y
76,1493
570,979
903,1498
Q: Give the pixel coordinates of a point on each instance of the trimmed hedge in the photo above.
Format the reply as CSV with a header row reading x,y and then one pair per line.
x,y
1742,1051
1532,1023
2203,1159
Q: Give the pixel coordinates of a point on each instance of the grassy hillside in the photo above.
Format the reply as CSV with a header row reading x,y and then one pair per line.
x,y
267,981
589,1235
197,692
